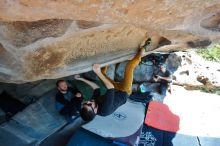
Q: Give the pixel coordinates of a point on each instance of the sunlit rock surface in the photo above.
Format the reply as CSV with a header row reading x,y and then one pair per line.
x,y
51,39
194,72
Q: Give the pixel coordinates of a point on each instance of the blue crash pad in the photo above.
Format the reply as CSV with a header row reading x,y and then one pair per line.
x,y
154,137
83,137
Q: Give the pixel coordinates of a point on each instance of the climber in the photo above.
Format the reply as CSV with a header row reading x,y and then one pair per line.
x,y
68,99
164,78
116,94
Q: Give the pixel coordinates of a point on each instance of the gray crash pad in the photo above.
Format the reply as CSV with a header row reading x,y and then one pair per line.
x,y
125,121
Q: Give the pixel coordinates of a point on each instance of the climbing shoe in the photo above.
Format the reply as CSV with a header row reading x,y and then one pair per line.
x,y
147,44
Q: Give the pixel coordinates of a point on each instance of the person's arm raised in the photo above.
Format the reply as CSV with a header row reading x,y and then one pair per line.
x,y
97,69
90,83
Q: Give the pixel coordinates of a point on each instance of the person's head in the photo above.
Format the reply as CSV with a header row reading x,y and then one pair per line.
x,y
163,68
89,111
62,85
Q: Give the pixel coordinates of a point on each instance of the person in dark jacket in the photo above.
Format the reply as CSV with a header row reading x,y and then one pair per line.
x,y
68,99
117,92
164,78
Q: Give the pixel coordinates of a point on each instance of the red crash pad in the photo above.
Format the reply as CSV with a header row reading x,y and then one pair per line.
x,y
159,116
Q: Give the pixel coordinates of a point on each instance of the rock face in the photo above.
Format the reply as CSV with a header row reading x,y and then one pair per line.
x,y
188,69
142,73
195,73
51,39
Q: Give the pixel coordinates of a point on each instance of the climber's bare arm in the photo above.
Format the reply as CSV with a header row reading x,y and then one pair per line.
x,y
97,70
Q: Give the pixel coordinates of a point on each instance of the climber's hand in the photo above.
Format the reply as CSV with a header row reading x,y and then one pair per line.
x,y
96,68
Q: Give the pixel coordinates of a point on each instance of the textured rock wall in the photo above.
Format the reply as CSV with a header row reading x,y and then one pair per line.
x,y
50,39
45,49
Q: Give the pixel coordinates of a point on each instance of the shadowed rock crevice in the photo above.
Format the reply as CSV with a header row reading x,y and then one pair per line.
x,y
87,24
199,43
22,33
212,23
1,49
203,80
163,41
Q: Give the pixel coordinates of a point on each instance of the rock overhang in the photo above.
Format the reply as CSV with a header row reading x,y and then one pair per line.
x,y
52,39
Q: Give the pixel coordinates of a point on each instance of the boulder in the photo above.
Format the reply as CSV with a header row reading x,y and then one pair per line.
x,y
142,73
173,62
196,73
53,39
149,87
92,76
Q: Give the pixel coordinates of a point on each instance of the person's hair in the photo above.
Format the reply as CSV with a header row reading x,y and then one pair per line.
x,y
59,81
164,65
86,114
